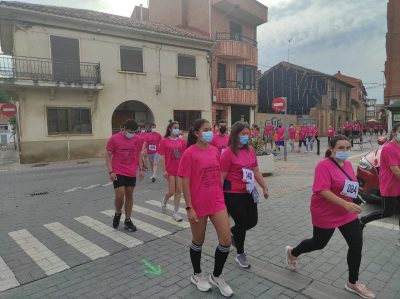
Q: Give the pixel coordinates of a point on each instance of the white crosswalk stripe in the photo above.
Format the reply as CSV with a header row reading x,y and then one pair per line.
x,y
91,186
146,227
109,232
7,277
83,245
72,189
108,184
160,216
169,206
43,257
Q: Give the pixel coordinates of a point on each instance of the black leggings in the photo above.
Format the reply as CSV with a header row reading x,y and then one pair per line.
x,y
352,233
243,211
388,208
302,141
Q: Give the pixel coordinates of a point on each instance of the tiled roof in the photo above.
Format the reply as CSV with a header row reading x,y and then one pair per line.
x,y
104,18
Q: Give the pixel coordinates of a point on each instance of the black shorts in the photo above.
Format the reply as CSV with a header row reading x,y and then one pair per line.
x,y
124,181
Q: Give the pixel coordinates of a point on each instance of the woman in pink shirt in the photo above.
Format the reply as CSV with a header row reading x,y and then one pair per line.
x,y
389,178
171,150
335,185
331,133
240,172
202,187
292,136
302,138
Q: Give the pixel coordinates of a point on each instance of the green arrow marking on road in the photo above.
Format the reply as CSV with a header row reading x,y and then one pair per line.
x,y
155,270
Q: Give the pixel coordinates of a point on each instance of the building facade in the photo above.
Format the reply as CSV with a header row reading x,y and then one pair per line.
x,y
392,64
6,130
77,75
232,25
311,95
371,109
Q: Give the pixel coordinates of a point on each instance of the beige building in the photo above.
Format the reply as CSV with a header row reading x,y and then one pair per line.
x,y
77,75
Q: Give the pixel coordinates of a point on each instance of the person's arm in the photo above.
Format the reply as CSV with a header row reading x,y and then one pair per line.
x,y
140,164
260,180
191,213
111,172
395,170
333,198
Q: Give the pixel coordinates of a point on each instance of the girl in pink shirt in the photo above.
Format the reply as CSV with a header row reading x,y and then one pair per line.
x,y
335,184
240,172
302,137
202,187
389,178
331,133
292,136
171,150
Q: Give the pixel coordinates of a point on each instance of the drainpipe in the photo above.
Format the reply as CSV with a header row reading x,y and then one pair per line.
x,y
141,12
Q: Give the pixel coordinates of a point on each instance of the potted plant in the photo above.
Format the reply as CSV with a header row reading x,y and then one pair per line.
x,y
265,160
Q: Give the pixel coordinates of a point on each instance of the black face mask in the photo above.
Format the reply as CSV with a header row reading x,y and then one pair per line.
x,y
222,130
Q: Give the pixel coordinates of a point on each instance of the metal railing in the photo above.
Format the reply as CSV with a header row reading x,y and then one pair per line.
x,y
229,84
48,70
235,36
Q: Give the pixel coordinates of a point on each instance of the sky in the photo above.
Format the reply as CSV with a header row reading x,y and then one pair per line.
x,y
324,35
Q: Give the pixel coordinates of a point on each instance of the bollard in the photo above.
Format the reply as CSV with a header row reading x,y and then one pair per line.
x,y
318,147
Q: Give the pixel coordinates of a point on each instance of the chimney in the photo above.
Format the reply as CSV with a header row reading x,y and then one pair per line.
x,y
140,13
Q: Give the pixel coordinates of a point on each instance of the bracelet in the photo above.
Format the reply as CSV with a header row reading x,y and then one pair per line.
x,y
188,208
110,172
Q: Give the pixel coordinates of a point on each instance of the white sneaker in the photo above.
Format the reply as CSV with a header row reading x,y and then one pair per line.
x,y
177,217
163,205
201,282
220,283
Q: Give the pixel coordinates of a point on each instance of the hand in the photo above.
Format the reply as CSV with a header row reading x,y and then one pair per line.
x,y
165,174
266,193
192,216
353,208
113,176
141,175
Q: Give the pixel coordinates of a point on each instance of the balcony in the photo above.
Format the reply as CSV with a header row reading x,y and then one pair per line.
x,y
232,45
233,92
43,72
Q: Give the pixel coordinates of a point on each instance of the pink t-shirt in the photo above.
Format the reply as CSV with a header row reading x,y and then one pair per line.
x,y
292,133
269,130
311,132
202,167
125,153
234,165
389,184
173,150
329,177
347,126
357,127
302,133
281,134
152,142
331,132
220,141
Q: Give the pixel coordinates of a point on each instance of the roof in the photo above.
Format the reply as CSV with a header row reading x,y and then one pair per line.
x,y
288,65
357,83
104,18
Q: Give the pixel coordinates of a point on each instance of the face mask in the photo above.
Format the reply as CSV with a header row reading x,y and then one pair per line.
x,y
129,135
154,130
175,132
342,155
222,130
207,136
398,137
143,131
244,139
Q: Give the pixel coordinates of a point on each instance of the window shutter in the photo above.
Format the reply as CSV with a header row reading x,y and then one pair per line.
x,y
131,59
186,65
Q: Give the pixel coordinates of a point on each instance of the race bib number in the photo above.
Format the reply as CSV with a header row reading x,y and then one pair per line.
x,y
152,147
177,154
350,189
248,175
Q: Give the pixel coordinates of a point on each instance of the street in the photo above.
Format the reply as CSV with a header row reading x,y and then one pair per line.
x,y
56,239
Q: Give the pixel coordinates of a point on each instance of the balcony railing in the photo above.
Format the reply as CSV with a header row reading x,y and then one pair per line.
x,y
235,36
229,84
48,70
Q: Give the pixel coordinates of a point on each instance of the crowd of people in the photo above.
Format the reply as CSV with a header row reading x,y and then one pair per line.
x,y
218,172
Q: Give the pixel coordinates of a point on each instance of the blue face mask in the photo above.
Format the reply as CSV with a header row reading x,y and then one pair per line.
x,y
244,139
129,135
207,136
342,155
175,132
398,137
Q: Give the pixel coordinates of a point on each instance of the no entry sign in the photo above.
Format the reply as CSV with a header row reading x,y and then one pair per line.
x,y
8,109
278,104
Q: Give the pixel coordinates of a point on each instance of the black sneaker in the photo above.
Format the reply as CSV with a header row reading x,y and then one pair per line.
x,y
129,225
116,219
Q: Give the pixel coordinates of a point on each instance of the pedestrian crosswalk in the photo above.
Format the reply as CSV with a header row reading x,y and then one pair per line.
x,y
44,257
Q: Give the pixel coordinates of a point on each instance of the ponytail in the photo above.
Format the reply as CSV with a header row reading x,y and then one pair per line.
x,y
191,139
328,153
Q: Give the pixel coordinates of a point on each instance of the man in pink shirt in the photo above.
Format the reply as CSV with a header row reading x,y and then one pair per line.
x,y
221,137
310,137
152,140
124,152
269,135
302,137
281,136
389,178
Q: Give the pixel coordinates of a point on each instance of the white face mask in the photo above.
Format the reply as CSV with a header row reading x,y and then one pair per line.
x,y
153,130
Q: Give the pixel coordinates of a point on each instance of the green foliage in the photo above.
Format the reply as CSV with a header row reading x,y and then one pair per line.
x,y
258,145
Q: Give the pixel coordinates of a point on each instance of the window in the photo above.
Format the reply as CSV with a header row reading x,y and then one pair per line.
x,y
236,31
186,118
246,76
131,59
221,75
69,121
186,65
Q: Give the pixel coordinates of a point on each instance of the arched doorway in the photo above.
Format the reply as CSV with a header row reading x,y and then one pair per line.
x,y
131,109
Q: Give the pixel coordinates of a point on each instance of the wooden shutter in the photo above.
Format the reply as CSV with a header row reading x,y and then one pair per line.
x,y
131,59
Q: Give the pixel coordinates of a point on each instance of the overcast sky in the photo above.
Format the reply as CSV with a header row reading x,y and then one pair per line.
x,y
325,35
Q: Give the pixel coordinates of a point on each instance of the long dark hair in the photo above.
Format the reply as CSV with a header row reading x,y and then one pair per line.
x,y
168,131
192,138
332,144
234,140
394,129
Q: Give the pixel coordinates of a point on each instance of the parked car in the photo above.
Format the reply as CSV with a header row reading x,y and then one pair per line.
x,y
368,174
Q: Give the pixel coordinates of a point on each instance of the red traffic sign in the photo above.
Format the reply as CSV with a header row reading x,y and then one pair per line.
x,y
8,109
278,104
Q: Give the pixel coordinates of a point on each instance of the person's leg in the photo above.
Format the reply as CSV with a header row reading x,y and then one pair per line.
x,y
119,199
311,144
237,210
198,235
155,164
307,143
128,201
388,207
168,194
177,198
321,237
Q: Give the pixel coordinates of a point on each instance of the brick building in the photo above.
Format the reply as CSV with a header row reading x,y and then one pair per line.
x,y
392,65
232,24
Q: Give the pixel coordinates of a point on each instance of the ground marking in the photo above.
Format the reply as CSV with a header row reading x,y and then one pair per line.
x,y
7,277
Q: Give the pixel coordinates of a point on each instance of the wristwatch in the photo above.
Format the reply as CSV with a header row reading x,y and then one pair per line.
x,y
188,208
